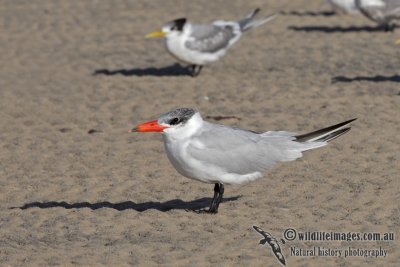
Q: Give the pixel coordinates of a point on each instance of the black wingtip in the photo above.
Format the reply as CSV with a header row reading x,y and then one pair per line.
x,y
346,122
341,124
334,135
320,132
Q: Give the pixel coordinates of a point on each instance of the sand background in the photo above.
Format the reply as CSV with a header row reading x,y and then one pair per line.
x,y
111,198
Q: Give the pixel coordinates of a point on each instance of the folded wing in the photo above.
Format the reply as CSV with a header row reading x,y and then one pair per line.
x,y
210,38
242,152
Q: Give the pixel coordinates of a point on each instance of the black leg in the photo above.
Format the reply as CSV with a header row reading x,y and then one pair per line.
x,y
218,193
196,69
215,198
221,194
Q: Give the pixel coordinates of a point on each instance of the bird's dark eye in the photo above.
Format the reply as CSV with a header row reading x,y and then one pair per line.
x,y
174,28
174,121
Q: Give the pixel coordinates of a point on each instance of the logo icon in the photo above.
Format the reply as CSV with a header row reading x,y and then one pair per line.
x,y
273,242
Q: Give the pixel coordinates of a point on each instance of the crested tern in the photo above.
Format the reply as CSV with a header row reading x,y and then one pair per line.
x,y
201,44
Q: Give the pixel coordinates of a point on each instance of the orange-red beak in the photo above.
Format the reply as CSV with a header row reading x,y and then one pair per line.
x,y
151,126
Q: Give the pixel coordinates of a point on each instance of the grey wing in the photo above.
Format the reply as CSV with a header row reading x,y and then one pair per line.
x,y
210,38
243,152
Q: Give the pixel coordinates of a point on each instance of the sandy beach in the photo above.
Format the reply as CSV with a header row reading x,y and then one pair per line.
x,y
76,189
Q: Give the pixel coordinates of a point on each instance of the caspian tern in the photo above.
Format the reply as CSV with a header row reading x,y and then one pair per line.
x,y
201,44
214,153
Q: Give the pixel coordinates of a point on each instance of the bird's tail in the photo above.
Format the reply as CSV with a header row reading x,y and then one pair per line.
x,y
326,134
249,21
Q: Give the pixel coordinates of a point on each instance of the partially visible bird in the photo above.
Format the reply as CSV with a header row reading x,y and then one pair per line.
x,y
218,154
384,12
201,44
344,6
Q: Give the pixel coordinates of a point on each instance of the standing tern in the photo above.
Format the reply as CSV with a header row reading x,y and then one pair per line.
x,y
218,154
381,11
201,44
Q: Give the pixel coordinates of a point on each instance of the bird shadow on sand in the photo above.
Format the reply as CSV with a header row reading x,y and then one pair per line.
x,y
173,70
308,13
376,79
175,204
336,29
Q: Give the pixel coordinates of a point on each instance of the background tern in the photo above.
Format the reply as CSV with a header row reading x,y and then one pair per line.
x,y
214,153
201,44
381,11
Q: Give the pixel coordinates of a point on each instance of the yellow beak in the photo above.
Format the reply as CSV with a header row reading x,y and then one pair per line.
x,y
156,34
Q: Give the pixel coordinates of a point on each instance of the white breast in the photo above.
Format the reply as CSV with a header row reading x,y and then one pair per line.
x,y
185,164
